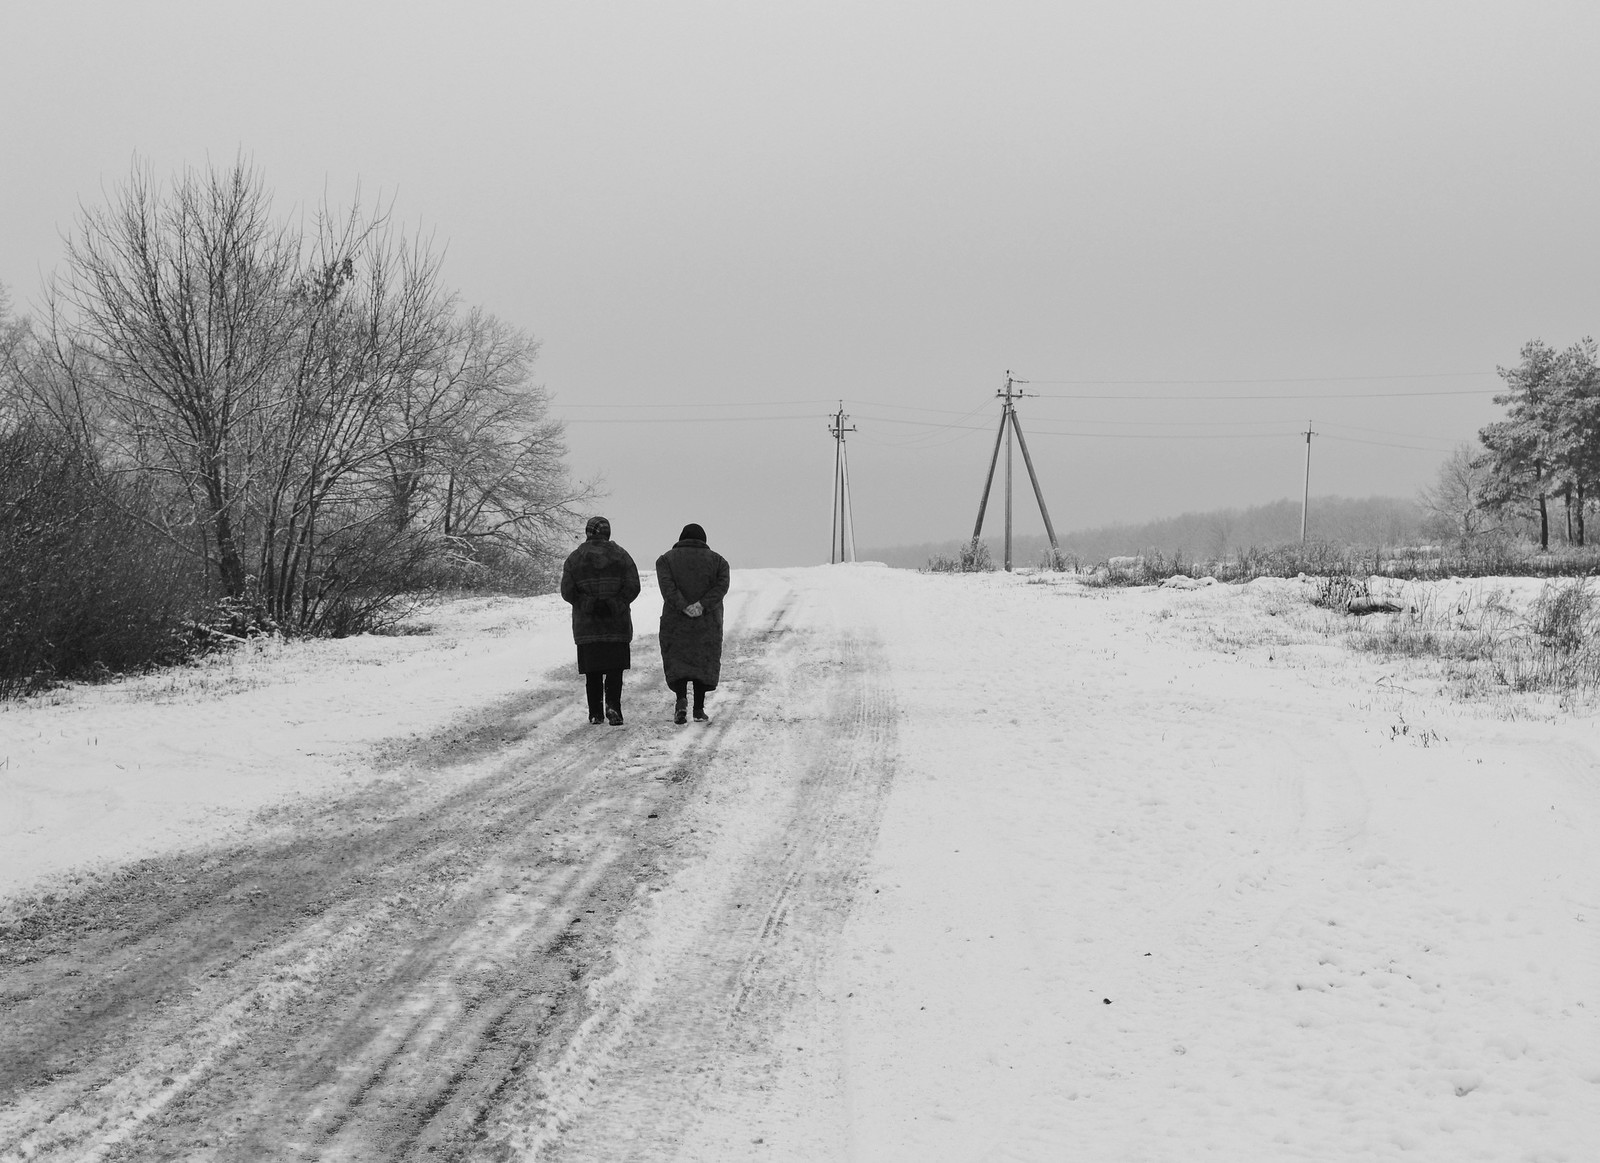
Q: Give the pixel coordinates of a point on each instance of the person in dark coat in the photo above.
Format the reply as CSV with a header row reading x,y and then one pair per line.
x,y
694,580
601,581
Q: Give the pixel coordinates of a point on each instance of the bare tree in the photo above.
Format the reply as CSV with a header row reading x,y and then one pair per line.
x,y
11,332
373,323
498,475
319,408
178,295
1457,500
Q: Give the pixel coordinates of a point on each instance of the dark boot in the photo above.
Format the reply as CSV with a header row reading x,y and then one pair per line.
x,y
594,687
680,706
614,697
700,715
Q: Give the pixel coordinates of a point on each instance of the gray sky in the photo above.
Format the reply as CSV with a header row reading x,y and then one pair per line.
x,y
758,209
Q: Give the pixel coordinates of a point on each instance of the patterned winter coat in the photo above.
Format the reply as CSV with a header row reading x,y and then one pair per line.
x,y
600,580
691,648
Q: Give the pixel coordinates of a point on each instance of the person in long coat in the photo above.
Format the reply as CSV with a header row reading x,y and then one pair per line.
x,y
694,580
600,581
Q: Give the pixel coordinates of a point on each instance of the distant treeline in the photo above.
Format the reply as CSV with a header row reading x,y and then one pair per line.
x,y
1215,533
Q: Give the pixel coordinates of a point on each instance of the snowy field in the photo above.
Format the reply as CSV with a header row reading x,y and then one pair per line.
x,y
1051,873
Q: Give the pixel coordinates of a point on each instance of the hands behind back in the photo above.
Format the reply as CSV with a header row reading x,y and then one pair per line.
x,y
694,611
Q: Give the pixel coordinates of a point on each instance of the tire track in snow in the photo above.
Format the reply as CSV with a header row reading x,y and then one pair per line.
x,y
720,970
375,986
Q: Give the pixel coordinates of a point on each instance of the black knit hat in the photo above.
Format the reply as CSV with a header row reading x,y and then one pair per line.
x,y
598,529
692,532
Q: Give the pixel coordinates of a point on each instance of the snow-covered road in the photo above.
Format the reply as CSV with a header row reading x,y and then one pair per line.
x,y
975,867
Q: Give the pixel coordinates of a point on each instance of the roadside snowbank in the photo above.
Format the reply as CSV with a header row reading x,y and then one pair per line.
x,y
111,773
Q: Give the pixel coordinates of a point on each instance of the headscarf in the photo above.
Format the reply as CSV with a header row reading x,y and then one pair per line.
x,y
598,529
692,532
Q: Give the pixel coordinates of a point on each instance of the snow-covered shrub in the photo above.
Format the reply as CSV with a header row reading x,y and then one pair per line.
x,y
87,587
1564,617
972,558
1338,591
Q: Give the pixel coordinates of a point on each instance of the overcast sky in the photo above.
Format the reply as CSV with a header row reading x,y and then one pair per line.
x,y
721,218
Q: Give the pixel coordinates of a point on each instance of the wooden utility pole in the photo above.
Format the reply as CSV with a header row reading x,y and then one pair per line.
x,y
1011,426
1009,441
842,544
1305,497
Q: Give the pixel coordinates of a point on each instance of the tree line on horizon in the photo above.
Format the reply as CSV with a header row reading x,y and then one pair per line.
x,y
1208,534
1487,495
224,420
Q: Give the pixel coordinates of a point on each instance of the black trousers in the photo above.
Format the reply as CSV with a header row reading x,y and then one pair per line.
x,y
606,686
681,687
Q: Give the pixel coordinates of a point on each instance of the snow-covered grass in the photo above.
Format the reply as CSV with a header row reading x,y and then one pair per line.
x,y
1491,638
1517,646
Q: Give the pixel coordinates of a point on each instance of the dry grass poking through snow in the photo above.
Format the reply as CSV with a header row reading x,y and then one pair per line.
x,y
1486,644
1496,640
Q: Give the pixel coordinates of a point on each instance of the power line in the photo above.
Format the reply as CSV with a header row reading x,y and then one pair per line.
x,y
1171,399
1379,443
936,427
1165,397
1289,379
1122,423
1090,435
680,419
1074,419
923,441
1382,431
950,431
963,414
706,404
707,413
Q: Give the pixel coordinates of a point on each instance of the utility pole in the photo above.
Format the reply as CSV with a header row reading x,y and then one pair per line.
x,y
1305,498
842,543
1010,439
1011,426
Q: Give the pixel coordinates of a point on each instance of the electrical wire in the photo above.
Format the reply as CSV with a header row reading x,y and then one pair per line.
x,y
714,412
684,419
922,442
1377,443
929,439
1381,431
1036,418
1283,379
1042,426
1033,429
1163,435
714,404
1171,399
